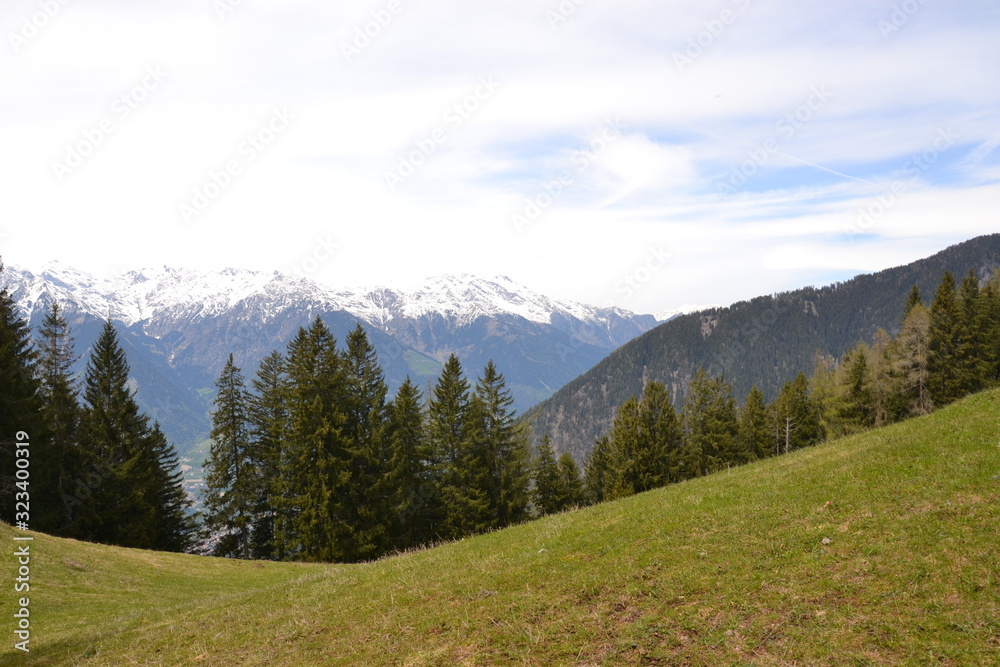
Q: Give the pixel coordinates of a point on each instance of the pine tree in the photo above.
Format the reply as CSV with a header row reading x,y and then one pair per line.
x,y
268,417
710,427
858,410
133,497
913,299
974,353
409,472
946,380
464,506
175,527
316,469
20,406
548,494
570,480
627,459
504,453
753,425
59,468
232,479
365,430
795,419
597,474
991,306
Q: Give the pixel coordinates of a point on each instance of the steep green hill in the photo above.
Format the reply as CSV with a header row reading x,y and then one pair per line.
x,y
880,549
766,342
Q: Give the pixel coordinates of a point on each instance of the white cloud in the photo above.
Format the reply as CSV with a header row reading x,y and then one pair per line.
x,y
685,131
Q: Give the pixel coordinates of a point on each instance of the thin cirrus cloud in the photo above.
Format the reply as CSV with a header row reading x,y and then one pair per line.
x,y
749,138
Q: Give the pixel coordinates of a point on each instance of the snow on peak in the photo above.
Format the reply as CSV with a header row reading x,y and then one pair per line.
x,y
169,293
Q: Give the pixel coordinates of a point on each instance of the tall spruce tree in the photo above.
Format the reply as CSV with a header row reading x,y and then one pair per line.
x,y
457,455
504,449
548,493
858,402
711,428
268,418
20,406
133,496
410,476
754,433
60,466
946,381
232,480
795,420
597,473
974,349
175,527
913,299
316,469
365,430
571,481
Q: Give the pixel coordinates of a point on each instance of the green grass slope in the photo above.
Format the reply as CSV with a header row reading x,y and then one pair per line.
x,y
882,549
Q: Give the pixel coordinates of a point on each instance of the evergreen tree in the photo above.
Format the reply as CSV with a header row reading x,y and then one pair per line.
x,y
754,434
175,527
504,450
570,480
597,475
991,305
548,494
795,419
268,422
645,444
316,468
365,430
974,354
232,479
464,507
20,407
60,466
858,410
710,427
912,300
946,379
133,496
409,474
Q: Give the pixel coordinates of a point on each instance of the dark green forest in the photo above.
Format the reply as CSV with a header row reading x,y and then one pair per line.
x,y
763,342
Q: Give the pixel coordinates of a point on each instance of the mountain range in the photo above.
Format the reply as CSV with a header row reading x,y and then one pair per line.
x,y
178,327
763,342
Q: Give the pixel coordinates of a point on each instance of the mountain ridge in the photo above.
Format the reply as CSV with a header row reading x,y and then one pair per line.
x,y
180,325
765,341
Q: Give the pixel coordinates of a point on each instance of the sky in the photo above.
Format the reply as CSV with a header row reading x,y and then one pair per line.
x,y
633,153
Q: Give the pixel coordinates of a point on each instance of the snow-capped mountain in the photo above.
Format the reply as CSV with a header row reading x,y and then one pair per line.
x,y
157,295
179,326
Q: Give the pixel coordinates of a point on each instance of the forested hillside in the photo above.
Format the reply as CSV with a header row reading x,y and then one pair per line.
x,y
765,342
